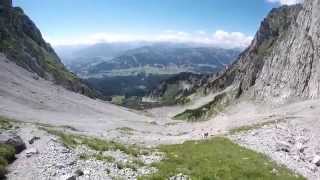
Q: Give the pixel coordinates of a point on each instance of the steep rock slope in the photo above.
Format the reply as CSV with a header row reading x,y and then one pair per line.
x,y
257,70
247,69
22,42
277,66
281,65
292,68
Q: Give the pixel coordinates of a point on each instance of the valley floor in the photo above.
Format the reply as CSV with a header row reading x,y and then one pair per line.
x,y
288,134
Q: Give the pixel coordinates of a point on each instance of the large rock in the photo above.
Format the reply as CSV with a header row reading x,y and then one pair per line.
x,y
13,140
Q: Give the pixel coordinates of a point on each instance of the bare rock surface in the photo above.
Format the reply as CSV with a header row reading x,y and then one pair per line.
x,y
289,143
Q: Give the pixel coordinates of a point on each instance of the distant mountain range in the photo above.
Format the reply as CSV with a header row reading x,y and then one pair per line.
x,y
133,69
119,60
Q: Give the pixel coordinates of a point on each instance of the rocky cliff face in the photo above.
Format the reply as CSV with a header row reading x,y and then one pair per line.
x,y
22,42
282,62
292,68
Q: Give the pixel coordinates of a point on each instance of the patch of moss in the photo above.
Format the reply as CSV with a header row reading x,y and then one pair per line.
x,y
217,158
7,154
126,130
6,124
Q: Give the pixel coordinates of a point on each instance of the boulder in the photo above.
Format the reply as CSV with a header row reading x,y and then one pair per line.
x,y
13,140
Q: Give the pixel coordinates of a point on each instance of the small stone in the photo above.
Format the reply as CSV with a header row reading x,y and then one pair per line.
x,y
274,171
86,172
72,163
65,151
60,166
71,177
33,139
35,77
78,173
316,160
179,176
283,146
30,152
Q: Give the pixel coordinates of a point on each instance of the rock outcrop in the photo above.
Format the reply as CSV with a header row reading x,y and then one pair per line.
x,y
253,64
12,140
22,42
282,62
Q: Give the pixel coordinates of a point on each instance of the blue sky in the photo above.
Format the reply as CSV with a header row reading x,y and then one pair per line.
x,y
90,21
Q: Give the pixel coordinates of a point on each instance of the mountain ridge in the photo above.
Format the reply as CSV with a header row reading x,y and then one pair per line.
x,y
22,42
162,57
246,72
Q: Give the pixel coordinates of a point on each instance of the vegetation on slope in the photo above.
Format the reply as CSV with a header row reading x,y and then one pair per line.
x,y
220,159
5,123
7,154
22,42
208,110
100,145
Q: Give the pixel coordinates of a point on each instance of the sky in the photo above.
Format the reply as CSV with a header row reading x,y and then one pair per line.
x,y
225,23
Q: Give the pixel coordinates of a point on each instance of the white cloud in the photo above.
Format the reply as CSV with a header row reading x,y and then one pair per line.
x,y
218,38
231,39
286,2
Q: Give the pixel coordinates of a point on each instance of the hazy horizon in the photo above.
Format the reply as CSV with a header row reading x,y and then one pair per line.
x,y
227,24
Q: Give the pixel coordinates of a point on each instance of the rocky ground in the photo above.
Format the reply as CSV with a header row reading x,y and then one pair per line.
x,y
27,98
45,157
287,143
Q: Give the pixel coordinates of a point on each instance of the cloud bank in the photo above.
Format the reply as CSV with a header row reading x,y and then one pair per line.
x,y
218,38
286,2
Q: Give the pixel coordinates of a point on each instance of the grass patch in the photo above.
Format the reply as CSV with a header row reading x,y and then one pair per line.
x,y
128,165
7,154
6,124
126,130
99,156
118,99
251,127
72,140
219,159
